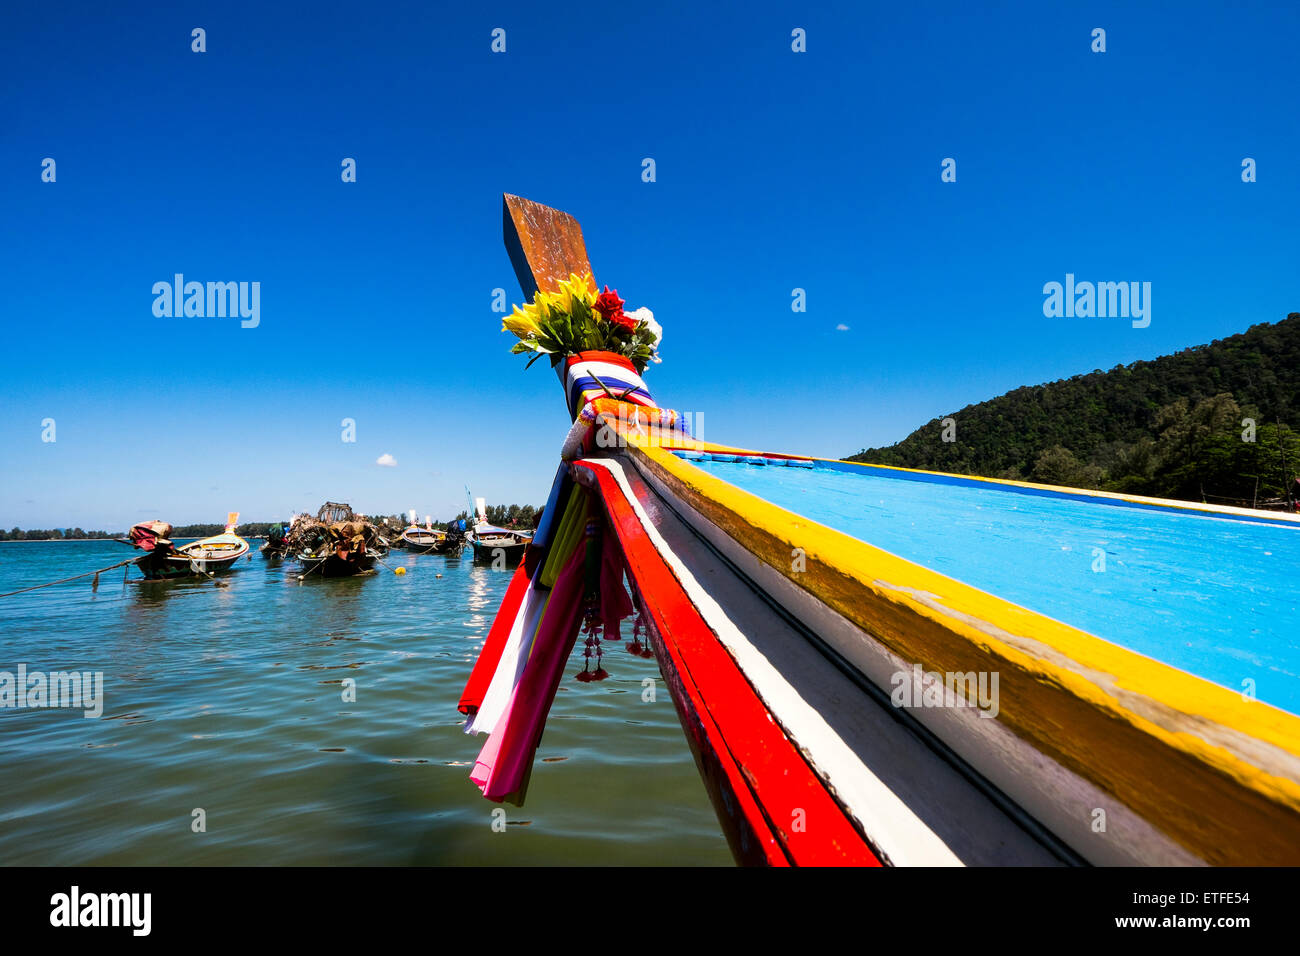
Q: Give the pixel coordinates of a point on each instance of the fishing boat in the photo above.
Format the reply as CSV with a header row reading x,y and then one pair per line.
x,y
276,546
164,560
503,547
458,534
878,665
423,540
334,543
500,546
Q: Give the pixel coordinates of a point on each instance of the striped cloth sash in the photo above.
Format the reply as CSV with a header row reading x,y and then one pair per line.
x,y
584,373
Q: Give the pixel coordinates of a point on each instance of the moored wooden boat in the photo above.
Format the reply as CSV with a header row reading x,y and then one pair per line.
x,y
423,540
457,536
848,704
334,543
502,547
499,546
164,560
332,564
276,546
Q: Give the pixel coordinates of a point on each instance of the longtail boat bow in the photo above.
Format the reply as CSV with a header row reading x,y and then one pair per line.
x,y
846,704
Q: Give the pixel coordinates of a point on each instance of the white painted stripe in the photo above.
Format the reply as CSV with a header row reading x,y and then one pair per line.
x,y
603,370
894,830
510,668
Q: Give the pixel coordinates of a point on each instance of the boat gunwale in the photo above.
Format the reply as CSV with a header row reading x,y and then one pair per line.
x,y
1091,495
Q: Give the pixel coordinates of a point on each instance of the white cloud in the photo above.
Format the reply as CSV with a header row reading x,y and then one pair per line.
x,y
387,460
841,327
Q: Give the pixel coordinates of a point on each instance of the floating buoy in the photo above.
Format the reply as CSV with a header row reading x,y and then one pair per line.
x,y
400,571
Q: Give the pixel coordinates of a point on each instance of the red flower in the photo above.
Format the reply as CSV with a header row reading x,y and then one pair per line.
x,y
610,306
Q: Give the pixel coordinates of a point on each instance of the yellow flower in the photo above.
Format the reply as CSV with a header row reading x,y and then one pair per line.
x,y
546,304
521,323
526,321
575,290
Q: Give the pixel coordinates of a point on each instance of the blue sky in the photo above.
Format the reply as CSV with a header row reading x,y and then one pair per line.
x,y
775,170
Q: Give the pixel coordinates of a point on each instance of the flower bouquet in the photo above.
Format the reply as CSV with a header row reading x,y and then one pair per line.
x,y
576,319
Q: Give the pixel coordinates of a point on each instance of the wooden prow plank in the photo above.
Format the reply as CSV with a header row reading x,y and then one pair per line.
x,y
545,245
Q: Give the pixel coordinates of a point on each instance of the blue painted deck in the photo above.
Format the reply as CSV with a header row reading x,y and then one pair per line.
x,y
1218,597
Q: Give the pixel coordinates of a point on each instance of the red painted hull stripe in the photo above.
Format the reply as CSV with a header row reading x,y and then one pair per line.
x,y
778,797
481,676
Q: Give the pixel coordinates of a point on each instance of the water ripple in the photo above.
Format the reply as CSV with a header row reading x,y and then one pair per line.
x,y
228,703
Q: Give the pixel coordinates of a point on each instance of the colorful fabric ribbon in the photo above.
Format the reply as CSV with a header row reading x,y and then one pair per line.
x,y
503,764
574,568
587,375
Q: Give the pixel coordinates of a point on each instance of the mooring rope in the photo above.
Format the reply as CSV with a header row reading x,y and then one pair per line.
x,y
87,574
318,565
195,569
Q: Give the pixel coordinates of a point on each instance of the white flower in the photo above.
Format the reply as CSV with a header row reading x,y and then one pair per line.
x,y
645,315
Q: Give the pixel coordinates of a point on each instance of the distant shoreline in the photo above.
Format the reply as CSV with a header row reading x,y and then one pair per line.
x,y
183,537
51,540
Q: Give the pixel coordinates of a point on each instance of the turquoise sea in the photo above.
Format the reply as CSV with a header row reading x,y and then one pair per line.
x,y
229,700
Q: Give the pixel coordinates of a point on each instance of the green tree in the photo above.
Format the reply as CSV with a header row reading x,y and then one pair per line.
x,y
1058,466
1169,427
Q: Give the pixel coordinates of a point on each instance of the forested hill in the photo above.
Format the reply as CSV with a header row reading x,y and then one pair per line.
x,y
1168,427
